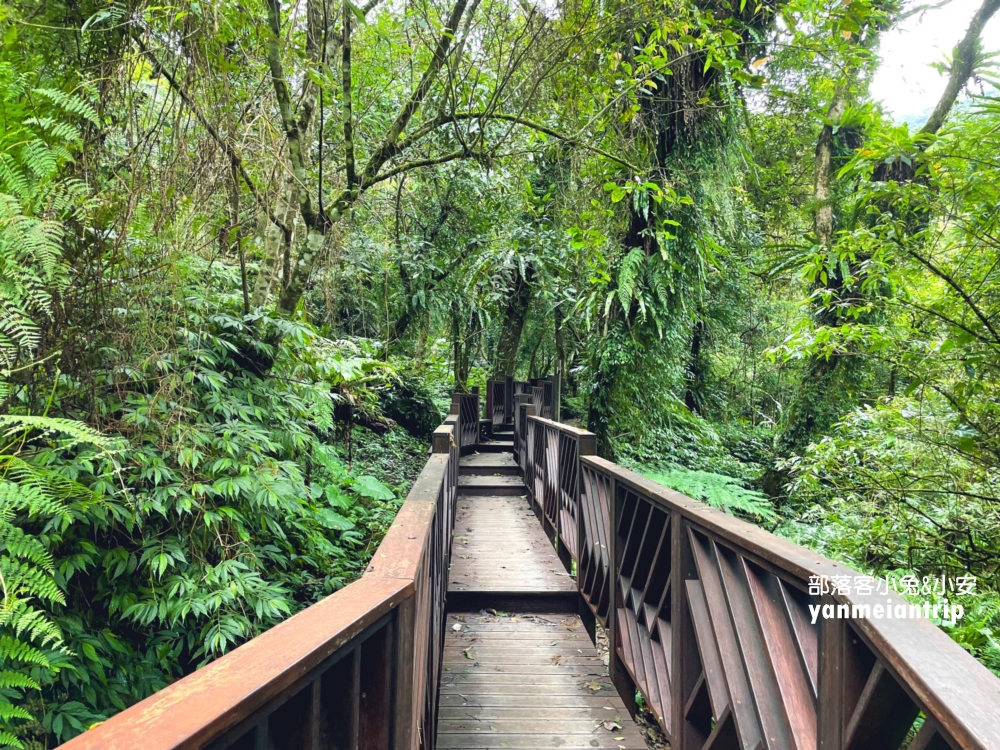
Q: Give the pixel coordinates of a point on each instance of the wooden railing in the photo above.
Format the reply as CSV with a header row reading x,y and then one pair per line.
x,y
495,403
359,669
501,400
466,406
709,618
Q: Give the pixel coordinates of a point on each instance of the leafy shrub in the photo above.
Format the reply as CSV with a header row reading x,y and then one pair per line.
x,y
410,402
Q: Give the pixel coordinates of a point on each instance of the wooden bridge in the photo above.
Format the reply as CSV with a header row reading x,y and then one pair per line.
x,y
474,626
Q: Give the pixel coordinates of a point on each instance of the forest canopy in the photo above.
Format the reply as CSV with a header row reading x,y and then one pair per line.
x,y
249,249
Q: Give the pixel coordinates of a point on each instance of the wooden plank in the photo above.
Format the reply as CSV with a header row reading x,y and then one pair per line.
x,y
554,724
472,689
806,634
928,738
715,677
501,548
474,677
535,712
589,702
533,741
794,689
763,686
741,702
528,693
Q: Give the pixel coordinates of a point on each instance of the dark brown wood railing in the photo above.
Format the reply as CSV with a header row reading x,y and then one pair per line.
x,y
496,400
709,618
358,670
466,406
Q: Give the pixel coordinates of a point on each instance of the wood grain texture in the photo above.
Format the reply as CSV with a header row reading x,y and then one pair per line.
x,y
554,690
501,548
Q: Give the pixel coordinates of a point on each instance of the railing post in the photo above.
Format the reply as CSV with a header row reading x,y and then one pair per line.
x,y
829,706
404,718
520,441
477,412
455,420
620,677
508,400
489,408
586,445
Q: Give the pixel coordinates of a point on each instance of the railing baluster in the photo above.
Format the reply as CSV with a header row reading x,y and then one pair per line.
x,y
620,677
374,721
340,702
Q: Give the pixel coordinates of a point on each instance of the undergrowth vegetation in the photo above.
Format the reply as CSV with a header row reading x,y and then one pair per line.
x,y
249,250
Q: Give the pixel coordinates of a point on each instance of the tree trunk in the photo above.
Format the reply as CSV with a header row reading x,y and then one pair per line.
x,y
695,373
515,313
464,343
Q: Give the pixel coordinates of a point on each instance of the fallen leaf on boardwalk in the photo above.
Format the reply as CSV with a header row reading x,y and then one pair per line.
x,y
457,626
619,739
609,708
493,728
612,726
504,744
593,685
467,653
557,659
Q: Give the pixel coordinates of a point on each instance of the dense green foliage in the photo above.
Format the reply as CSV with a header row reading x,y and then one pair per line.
x,y
247,250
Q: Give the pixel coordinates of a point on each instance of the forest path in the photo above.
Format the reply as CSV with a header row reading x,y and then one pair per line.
x,y
532,680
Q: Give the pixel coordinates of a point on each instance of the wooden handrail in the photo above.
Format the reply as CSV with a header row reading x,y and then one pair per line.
x,y
709,617
710,620
359,668
553,482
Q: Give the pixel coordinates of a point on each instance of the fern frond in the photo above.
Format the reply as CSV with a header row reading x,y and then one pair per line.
x,y
70,104
627,276
10,679
15,650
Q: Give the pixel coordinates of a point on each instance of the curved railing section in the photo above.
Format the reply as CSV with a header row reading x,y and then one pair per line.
x,y
359,669
711,619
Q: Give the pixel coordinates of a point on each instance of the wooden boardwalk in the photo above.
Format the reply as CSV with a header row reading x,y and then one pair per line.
x,y
519,669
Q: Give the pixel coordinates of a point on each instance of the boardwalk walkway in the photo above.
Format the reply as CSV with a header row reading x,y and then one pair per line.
x,y
519,669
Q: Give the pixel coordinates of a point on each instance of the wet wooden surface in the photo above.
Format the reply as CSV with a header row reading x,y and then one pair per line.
x,y
533,682
488,464
500,547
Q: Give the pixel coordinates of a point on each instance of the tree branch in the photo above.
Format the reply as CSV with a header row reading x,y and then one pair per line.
x,y
573,140
462,153
230,151
390,144
947,278
962,66
352,175
293,132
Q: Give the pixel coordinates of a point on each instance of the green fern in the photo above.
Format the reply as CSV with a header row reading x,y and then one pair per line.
x,y
628,276
42,130
717,490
